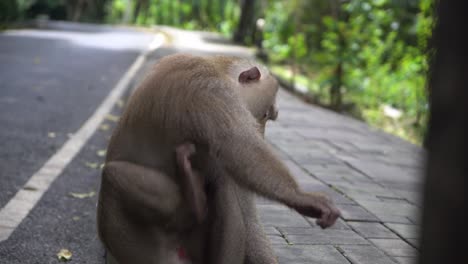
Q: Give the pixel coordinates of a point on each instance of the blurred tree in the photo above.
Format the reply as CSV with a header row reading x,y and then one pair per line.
x,y
246,26
139,5
336,99
88,10
444,236
8,11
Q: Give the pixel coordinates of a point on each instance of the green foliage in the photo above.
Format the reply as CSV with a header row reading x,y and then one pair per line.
x,y
115,10
8,11
382,65
372,54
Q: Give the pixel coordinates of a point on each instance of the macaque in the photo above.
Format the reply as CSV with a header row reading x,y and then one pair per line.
x,y
184,160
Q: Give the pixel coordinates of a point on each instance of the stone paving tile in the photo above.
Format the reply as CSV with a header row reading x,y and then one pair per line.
x,y
356,213
406,260
372,230
329,134
395,247
277,240
340,224
382,172
364,191
270,230
336,172
391,212
389,218
391,199
365,254
413,197
414,242
415,218
337,197
315,236
280,216
307,254
300,175
405,231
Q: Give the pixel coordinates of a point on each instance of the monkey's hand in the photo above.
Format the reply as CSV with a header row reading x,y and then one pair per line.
x,y
193,184
318,206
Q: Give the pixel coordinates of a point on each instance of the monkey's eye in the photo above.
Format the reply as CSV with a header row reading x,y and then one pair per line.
x,y
266,115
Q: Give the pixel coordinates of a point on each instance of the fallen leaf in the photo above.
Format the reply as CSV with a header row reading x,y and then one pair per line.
x,y
64,255
101,166
76,218
104,127
101,153
82,195
51,134
29,188
37,60
112,118
92,165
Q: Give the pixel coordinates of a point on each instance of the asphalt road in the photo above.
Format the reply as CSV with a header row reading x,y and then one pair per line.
x,y
51,82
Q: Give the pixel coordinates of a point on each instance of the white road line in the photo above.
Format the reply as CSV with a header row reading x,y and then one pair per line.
x,y
25,199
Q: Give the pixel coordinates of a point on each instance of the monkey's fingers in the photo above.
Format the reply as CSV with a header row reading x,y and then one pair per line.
x,y
312,205
329,216
185,150
193,182
198,196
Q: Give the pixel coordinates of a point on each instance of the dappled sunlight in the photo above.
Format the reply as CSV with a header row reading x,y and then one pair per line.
x,y
115,41
197,42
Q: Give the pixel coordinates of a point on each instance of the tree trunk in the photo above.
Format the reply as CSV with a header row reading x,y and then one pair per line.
x,y
246,21
222,8
444,234
336,100
128,12
196,10
136,10
78,10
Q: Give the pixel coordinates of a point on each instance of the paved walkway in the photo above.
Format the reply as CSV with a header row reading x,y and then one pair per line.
x,y
374,178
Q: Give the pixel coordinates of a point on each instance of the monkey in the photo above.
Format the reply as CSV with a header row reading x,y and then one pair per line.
x,y
142,216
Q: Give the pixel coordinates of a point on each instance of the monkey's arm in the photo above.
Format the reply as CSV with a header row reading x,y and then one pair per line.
x,y
222,122
258,249
227,239
252,164
142,186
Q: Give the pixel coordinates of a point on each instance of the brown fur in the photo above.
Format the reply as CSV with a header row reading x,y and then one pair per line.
x,y
142,214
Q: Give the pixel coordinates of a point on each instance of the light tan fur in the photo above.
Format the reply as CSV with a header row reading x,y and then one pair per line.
x,y
142,214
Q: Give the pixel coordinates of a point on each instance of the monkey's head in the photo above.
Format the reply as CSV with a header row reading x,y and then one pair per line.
x,y
257,88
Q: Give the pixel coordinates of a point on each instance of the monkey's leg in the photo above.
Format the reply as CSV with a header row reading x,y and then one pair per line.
x,y
258,249
142,186
227,230
131,190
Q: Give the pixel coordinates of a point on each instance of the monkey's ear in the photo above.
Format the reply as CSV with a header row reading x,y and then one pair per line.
x,y
250,75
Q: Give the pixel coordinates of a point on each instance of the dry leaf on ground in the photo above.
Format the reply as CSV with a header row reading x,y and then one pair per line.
x,y
82,195
101,153
112,118
104,127
64,254
92,165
